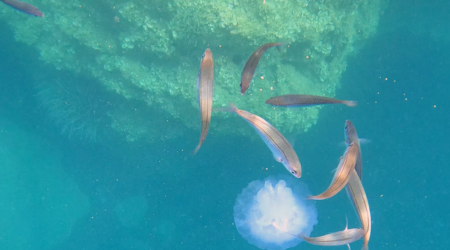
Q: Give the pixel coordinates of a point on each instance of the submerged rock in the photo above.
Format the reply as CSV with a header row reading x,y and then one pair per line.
x,y
153,54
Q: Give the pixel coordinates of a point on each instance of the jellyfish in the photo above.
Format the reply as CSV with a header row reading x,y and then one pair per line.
x,y
270,213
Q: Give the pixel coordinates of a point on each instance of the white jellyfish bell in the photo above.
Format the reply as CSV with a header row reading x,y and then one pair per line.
x,y
267,214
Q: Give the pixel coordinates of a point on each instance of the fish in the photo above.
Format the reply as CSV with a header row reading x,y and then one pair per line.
x,y
344,237
281,148
340,238
250,66
205,87
357,195
342,175
305,101
24,7
351,137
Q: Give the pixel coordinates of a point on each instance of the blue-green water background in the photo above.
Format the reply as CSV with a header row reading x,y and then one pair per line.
x,y
190,202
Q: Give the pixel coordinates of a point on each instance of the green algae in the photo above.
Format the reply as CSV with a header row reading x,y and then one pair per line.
x,y
150,51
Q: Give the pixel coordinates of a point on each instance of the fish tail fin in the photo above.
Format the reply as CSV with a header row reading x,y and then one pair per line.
x,y
280,45
222,109
202,139
300,235
231,108
318,197
196,149
350,103
310,197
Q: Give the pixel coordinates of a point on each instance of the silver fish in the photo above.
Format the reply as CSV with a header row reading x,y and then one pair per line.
x,y
357,195
305,101
352,137
342,175
281,149
344,237
205,86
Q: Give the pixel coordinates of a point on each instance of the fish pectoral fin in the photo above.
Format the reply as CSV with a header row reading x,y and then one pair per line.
x,y
278,158
364,141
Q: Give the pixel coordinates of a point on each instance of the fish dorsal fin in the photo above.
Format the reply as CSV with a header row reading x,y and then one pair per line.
x,y
364,141
291,139
346,223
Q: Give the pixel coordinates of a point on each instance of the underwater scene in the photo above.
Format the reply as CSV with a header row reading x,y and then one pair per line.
x,y
193,124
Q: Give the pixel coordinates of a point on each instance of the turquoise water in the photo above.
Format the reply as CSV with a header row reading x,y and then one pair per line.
x,y
59,190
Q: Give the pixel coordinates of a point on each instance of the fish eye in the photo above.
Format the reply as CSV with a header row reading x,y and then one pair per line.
x,y
294,172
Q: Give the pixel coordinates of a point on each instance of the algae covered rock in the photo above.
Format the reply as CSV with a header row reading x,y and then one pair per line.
x,y
150,51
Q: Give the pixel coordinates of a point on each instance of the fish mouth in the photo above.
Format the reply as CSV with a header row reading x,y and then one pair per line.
x,y
296,174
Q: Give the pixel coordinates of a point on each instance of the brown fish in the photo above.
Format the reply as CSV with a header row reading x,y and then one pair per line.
x,y
250,66
344,237
205,86
281,149
24,7
358,197
352,137
305,101
342,175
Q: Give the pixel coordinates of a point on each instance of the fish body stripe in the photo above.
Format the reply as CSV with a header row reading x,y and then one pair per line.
x,y
355,189
342,175
365,205
205,88
272,140
267,133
